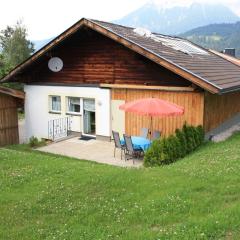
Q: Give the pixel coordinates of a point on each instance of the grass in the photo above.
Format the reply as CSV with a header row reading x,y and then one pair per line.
x,y
45,196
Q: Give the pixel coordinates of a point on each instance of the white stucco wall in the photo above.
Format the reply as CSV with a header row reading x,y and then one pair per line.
x,y
37,108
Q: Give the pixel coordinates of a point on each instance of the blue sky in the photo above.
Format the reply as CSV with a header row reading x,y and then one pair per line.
x,y
47,18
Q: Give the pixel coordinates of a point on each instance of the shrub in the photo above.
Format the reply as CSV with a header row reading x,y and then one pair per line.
x,y
196,137
154,154
201,135
168,150
189,137
173,148
183,142
34,142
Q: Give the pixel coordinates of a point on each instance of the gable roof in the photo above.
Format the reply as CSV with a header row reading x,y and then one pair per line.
x,y
198,65
12,92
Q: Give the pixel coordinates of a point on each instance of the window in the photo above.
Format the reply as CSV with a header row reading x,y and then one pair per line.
x,y
55,103
73,105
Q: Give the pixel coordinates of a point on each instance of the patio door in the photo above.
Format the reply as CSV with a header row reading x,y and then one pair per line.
x,y
89,117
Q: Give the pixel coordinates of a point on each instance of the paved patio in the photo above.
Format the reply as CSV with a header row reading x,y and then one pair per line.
x,y
93,150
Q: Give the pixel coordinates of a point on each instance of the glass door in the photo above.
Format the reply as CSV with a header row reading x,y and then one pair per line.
x,y
89,118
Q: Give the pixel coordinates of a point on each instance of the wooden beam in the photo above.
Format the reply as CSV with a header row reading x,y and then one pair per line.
x,y
144,87
12,92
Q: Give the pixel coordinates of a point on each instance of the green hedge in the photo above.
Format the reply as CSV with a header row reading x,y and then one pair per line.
x,y
168,150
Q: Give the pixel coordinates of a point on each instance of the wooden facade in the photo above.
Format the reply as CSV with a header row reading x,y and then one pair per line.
x,y
91,58
193,103
8,120
219,108
201,108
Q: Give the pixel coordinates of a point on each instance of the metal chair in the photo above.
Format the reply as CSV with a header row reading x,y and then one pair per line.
x,y
117,143
156,135
144,132
130,150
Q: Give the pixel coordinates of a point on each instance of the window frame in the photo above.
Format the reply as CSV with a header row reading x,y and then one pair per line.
x,y
51,110
68,104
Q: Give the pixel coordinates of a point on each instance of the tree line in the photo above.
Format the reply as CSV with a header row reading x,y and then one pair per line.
x,y
14,49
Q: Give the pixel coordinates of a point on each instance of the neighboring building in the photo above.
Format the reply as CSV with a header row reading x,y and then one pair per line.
x,y
10,100
105,65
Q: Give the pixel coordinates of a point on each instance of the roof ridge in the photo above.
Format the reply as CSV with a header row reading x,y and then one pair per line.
x,y
99,21
132,28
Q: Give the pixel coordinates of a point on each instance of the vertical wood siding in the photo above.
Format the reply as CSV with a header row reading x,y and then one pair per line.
x,y
92,58
192,102
218,109
8,120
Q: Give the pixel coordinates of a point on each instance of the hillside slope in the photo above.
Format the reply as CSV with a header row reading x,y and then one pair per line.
x,y
45,196
178,19
216,36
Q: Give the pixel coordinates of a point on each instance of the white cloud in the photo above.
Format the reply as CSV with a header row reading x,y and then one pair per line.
x,y
47,18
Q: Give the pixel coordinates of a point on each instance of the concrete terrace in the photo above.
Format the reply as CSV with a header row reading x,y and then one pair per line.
x,y
93,150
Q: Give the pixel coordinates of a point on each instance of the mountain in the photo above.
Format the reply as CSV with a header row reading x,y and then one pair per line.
x,y
216,36
178,19
213,25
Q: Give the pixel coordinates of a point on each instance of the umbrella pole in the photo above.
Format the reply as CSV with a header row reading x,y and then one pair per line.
x,y
151,128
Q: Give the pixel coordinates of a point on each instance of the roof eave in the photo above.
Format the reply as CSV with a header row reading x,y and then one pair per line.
x,y
12,92
229,90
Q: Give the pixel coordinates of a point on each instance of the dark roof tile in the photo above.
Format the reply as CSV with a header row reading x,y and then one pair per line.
x,y
210,66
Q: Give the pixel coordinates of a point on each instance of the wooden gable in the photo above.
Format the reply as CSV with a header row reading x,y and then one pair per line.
x,y
91,58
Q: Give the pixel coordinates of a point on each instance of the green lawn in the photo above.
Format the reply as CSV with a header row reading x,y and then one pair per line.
x,y
46,196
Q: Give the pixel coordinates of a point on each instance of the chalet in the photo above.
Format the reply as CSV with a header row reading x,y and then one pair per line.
x,y
79,79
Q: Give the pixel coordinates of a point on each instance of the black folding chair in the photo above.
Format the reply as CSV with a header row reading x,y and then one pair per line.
x,y
130,150
117,143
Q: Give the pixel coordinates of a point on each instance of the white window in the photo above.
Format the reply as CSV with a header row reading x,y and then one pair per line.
x,y
73,105
55,104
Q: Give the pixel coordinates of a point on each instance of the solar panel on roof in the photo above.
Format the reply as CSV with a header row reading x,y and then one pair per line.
x,y
175,43
180,45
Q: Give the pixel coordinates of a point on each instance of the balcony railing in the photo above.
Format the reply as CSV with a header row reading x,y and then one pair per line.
x,y
59,128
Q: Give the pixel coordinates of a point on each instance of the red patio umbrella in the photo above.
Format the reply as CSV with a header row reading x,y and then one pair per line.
x,y
152,107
